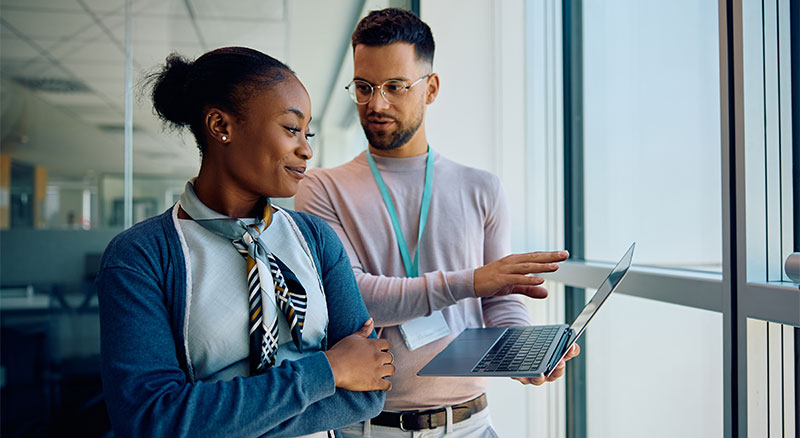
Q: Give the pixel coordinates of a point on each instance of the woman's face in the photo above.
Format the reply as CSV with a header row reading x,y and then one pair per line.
x,y
269,145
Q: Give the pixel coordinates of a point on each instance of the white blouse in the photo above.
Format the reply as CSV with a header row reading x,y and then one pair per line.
x,y
217,335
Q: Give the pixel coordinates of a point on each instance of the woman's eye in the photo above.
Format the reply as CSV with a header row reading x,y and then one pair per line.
x,y
309,135
294,131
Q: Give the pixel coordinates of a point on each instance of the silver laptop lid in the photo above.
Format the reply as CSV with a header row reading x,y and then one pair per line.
x,y
605,289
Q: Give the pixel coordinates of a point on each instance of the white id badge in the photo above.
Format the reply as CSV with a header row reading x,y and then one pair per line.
x,y
424,330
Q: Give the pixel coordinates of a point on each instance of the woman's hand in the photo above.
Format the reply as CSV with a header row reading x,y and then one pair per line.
x,y
360,363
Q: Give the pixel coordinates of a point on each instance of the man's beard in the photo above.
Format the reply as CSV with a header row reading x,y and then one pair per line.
x,y
387,142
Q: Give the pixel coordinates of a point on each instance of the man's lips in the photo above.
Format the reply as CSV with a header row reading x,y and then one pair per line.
x,y
377,119
379,123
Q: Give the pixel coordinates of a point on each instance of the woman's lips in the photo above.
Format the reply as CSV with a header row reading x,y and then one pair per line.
x,y
297,171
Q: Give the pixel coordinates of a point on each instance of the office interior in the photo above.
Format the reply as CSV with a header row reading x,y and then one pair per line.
x,y
608,121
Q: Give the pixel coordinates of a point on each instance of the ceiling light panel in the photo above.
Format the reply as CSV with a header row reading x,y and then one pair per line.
x,y
151,56
45,24
13,47
38,68
106,6
257,34
158,29
61,5
272,10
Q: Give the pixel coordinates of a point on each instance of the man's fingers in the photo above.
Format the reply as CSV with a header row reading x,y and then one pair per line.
x,y
530,291
530,268
574,351
558,372
539,257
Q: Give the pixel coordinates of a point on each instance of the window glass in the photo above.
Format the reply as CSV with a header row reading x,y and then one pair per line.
x,y
62,182
652,132
648,361
60,91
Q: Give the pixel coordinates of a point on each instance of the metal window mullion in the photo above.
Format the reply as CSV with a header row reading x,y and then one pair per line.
x,y
786,136
572,31
794,56
731,132
691,289
771,150
774,379
753,131
128,135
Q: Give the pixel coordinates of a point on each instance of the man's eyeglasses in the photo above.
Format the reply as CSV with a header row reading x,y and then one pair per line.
x,y
392,90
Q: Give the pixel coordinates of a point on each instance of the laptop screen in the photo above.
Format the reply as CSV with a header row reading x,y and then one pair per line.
x,y
609,284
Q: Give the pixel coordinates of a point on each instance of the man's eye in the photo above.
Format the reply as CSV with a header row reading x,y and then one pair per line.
x,y
394,87
363,88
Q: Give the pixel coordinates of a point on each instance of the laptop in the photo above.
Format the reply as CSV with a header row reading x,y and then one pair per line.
x,y
532,351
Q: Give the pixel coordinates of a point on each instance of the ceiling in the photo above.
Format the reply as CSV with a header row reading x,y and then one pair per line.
x,y
62,64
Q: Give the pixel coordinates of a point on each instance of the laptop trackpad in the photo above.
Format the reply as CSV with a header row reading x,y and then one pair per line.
x,y
463,353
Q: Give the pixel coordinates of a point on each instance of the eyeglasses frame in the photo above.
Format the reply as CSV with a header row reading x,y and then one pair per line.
x,y
380,87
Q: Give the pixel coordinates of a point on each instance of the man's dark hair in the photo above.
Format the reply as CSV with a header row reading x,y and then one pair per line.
x,y
392,25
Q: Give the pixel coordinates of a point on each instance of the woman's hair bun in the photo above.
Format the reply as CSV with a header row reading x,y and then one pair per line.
x,y
169,91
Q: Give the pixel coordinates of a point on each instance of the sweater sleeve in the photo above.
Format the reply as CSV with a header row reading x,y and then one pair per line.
x,y
147,389
148,394
347,313
507,310
390,300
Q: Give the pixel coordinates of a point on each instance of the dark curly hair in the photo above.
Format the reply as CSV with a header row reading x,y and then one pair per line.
x,y
392,25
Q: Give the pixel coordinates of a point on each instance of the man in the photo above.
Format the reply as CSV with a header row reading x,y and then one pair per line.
x,y
416,225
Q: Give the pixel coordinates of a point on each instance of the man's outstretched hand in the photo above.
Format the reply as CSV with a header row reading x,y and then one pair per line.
x,y
509,275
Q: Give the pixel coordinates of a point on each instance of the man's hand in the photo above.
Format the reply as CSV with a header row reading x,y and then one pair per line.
x,y
558,372
509,274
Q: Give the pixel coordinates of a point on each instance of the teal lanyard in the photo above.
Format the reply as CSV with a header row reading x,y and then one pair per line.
x,y
412,267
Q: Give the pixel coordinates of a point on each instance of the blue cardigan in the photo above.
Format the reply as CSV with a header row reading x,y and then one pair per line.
x,y
150,390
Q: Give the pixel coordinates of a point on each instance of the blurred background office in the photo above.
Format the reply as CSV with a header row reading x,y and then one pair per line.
x,y
609,121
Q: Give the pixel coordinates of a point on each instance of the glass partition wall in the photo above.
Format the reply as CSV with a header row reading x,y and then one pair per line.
x,y
82,157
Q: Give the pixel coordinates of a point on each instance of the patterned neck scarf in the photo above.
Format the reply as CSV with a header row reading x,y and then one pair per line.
x,y
290,296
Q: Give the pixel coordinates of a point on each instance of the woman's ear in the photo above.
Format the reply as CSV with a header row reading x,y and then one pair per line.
x,y
218,126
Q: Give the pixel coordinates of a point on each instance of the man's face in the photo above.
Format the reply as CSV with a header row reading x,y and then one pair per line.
x,y
389,126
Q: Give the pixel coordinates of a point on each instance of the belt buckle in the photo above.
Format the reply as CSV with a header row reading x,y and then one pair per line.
x,y
402,426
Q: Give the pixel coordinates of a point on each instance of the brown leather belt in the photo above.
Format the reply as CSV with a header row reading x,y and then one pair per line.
x,y
432,418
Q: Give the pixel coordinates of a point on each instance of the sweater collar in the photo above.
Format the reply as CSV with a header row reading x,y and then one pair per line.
x,y
389,164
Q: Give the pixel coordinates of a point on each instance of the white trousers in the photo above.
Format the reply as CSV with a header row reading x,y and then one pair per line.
x,y
477,426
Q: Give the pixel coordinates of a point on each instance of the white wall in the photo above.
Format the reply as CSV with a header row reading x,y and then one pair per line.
x,y
479,119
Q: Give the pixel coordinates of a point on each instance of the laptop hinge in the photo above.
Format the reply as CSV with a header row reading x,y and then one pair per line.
x,y
558,353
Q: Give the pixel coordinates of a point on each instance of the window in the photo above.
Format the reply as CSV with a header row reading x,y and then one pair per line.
x,y
723,266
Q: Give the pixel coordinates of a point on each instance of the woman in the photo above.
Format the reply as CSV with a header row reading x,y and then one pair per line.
x,y
226,316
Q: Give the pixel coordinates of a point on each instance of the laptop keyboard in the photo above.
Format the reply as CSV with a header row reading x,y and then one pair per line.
x,y
519,349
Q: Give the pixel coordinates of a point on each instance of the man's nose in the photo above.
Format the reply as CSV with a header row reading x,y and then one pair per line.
x,y
377,102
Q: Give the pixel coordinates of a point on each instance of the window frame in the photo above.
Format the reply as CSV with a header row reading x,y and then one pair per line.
x,y
742,289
